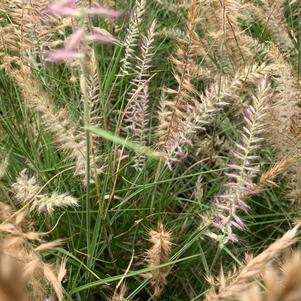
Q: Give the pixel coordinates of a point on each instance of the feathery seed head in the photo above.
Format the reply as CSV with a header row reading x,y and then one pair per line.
x,y
137,116
132,36
240,183
3,166
119,293
29,190
281,284
26,188
49,203
23,274
158,254
234,285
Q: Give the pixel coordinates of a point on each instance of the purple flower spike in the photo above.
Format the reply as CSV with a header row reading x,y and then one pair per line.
x,y
63,8
104,12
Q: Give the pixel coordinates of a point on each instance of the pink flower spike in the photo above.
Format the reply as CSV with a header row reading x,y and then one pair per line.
x,y
104,12
233,237
224,207
230,185
99,38
64,54
75,40
230,175
234,166
218,225
243,206
224,197
63,8
238,222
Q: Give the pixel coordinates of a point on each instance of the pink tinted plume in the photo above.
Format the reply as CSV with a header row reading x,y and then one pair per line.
x,y
64,54
104,12
99,38
62,8
75,40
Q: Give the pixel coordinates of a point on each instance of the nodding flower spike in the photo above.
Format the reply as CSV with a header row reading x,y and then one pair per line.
x,y
68,8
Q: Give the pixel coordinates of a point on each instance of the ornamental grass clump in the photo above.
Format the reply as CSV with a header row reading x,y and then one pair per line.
x,y
182,111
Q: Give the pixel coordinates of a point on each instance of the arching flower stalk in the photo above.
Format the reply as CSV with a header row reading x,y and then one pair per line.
x,y
243,170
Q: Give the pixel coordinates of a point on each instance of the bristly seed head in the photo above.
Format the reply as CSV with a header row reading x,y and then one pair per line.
x,y
158,254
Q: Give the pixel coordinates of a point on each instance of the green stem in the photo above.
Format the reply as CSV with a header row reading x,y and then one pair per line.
x,y
157,176
86,100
